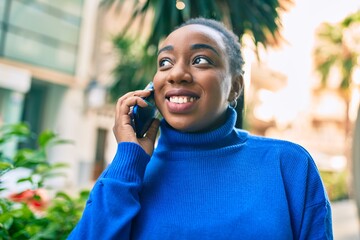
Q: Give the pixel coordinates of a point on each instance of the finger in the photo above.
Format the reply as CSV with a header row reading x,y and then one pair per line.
x,y
123,106
123,98
126,106
123,124
137,93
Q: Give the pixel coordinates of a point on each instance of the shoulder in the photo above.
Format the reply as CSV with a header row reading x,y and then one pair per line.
x,y
287,153
282,147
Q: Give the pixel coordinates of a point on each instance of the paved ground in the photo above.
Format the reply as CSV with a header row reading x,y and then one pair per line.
x,y
345,221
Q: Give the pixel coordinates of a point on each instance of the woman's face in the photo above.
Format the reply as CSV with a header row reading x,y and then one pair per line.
x,y
193,80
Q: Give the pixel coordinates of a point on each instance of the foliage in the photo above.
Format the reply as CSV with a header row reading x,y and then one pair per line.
x,y
260,19
338,47
29,214
335,184
135,67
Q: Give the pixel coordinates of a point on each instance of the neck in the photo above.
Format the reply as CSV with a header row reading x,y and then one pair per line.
x,y
220,129
216,124
188,145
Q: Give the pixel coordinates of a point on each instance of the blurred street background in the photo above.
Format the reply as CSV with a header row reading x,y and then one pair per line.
x,y
345,220
63,64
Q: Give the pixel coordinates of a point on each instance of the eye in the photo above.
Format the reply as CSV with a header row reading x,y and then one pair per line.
x,y
165,62
201,60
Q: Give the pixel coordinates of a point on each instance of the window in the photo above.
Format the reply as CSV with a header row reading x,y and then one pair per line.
x,y
34,105
41,32
100,152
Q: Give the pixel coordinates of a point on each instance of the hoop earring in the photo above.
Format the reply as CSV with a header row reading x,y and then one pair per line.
x,y
233,103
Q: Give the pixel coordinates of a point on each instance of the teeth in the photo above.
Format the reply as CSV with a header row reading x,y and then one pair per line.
x,y
181,99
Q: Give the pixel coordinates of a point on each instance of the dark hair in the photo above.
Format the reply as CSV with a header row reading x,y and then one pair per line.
x,y
231,41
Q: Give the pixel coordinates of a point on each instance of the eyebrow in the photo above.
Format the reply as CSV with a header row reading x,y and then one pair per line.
x,y
166,48
193,47
204,46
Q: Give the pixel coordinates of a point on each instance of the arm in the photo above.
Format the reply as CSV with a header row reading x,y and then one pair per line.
x,y
317,223
317,220
307,198
114,200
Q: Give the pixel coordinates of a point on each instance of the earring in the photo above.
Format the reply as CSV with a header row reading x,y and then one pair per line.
x,y
233,103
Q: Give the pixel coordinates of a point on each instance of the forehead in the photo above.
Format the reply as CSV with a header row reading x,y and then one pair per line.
x,y
195,33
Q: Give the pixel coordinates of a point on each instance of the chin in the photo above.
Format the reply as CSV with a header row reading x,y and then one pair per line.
x,y
189,128
180,126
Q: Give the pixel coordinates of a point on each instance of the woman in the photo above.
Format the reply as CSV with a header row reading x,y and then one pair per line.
x,y
205,179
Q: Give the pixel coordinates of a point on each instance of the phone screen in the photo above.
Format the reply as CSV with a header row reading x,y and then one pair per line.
x,y
142,117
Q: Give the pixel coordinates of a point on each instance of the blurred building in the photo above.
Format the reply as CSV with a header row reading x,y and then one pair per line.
x,y
320,126
47,79
265,83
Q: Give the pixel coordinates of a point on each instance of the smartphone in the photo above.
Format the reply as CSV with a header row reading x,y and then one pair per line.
x,y
142,117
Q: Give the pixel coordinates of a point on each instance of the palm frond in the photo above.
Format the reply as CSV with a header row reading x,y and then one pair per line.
x,y
259,18
332,51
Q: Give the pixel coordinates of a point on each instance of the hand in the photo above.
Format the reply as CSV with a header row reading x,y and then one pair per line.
x,y
123,129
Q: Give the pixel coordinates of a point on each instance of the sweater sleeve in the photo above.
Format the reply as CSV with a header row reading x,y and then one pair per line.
x,y
316,221
307,198
114,199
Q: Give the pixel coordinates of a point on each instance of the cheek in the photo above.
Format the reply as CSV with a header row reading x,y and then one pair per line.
x,y
226,85
159,80
157,83
222,87
158,94
156,79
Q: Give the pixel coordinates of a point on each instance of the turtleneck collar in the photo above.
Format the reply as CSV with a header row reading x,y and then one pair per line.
x,y
224,136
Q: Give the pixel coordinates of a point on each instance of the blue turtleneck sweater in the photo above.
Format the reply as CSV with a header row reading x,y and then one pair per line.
x,y
223,184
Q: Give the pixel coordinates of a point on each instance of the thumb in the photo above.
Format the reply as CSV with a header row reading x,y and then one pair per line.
x,y
153,129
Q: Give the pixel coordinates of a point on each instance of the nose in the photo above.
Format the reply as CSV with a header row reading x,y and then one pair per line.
x,y
179,73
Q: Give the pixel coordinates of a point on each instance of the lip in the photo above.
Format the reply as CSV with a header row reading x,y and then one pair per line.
x,y
181,92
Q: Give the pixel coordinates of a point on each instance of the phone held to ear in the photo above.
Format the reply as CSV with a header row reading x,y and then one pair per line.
x,y
142,117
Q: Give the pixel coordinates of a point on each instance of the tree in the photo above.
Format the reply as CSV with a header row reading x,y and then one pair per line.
x,y
339,48
258,18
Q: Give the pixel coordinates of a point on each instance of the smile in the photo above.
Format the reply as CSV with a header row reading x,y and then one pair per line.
x,y
182,99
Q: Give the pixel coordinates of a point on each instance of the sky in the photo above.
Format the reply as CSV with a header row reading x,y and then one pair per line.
x,y
294,58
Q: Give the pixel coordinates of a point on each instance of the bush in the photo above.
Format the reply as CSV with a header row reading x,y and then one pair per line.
x,y
31,214
335,184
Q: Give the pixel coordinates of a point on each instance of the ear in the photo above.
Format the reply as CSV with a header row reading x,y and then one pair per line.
x,y
236,87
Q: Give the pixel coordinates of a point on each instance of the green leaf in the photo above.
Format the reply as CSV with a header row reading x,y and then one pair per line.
x,y
45,138
26,179
59,165
84,194
6,166
29,158
7,223
64,196
17,129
